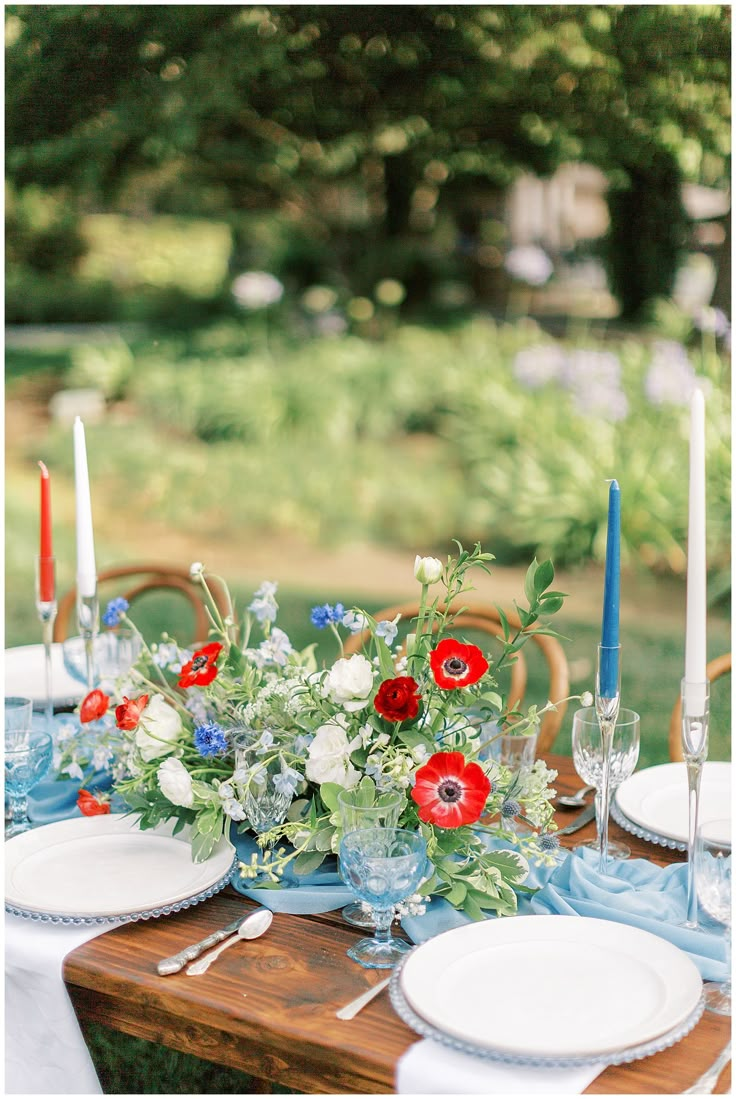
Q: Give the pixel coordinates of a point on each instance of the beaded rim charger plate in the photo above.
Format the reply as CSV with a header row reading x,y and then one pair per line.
x,y
653,803
568,990
106,869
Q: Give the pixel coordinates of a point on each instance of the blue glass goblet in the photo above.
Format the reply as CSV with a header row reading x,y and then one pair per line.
x,y
382,866
25,765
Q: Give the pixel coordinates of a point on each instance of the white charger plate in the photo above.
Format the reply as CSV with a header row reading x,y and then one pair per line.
x,y
106,869
655,800
25,675
566,989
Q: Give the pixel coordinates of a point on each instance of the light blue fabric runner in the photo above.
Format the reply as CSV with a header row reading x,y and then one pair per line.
x,y
634,891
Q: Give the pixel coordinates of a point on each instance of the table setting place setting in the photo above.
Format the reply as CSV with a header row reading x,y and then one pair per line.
x,y
399,787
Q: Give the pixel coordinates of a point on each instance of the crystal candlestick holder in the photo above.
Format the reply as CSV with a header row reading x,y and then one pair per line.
x,y
46,608
607,704
695,716
88,621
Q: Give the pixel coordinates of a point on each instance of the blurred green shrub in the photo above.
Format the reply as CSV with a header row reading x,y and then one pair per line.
x,y
490,432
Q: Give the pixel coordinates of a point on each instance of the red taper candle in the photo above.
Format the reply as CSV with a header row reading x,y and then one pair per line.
x,y
46,552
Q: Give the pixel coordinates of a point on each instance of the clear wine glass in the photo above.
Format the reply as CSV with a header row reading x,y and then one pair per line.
x,y
384,813
25,765
587,755
113,654
18,721
382,866
713,878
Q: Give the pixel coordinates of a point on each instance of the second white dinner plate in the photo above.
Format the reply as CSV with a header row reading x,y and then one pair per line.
x,y
107,868
25,675
551,986
656,799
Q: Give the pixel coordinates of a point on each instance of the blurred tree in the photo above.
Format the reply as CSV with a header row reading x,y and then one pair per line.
x,y
359,122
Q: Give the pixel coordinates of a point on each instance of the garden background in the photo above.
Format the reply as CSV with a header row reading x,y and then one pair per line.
x,y
332,286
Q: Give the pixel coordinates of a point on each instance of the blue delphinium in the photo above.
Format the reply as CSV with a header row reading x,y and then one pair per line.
x,y
209,739
114,609
327,616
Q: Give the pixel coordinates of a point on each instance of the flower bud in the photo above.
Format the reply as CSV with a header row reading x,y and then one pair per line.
x,y
427,570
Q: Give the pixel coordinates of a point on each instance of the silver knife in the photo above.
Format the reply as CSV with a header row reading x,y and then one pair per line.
x,y
177,961
580,821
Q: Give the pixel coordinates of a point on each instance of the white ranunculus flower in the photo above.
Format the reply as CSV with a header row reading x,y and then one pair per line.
x,y
350,681
427,570
329,756
175,782
158,730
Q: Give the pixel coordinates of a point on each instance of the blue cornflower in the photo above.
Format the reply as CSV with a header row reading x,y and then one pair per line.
x,y
326,615
114,609
209,739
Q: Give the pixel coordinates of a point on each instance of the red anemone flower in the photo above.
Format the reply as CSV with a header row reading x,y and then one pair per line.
x,y
92,806
457,665
398,699
450,791
128,713
94,706
202,668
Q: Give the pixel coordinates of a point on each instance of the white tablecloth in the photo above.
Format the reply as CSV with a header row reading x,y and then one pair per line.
x,y
45,1053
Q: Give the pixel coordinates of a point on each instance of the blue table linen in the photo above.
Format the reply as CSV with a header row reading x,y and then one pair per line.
x,y
634,891
300,895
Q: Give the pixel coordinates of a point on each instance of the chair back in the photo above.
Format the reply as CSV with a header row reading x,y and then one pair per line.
x,y
486,619
720,665
134,581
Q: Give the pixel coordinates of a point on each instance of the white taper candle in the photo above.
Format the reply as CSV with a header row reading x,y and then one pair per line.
x,y
695,647
86,568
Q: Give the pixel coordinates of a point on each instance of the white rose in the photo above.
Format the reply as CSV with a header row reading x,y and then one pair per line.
x,y
350,681
175,782
158,730
329,756
427,570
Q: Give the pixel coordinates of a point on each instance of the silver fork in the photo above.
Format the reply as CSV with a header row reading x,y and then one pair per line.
x,y
704,1084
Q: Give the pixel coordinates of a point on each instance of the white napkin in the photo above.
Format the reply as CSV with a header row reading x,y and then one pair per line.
x,y
45,1053
429,1068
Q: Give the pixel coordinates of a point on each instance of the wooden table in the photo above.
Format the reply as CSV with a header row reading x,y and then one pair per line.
x,y
269,1009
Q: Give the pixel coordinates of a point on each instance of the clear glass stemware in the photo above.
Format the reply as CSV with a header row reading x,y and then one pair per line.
x,y
713,877
587,755
382,866
25,765
383,813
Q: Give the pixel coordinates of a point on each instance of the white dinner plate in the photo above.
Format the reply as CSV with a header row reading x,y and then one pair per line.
x,y
656,798
25,675
551,987
97,869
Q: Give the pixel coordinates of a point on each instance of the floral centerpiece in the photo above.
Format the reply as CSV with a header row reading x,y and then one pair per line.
x,y
246,732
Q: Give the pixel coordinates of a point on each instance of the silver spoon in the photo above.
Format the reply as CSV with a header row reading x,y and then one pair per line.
x,y
576,800
251,927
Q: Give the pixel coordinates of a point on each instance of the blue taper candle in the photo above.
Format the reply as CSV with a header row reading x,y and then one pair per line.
x,y
611,596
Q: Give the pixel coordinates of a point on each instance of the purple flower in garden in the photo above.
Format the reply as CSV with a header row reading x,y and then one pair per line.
x,y
594,379
536,366
529,263
671,376
114,609
709,319
210,739
326,615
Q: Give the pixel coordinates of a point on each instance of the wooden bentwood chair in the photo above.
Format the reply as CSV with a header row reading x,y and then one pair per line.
x,y
486,619
720,665
134,581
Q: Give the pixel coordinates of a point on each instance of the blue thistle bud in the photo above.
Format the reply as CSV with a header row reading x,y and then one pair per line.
x,y
510,808
549,841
